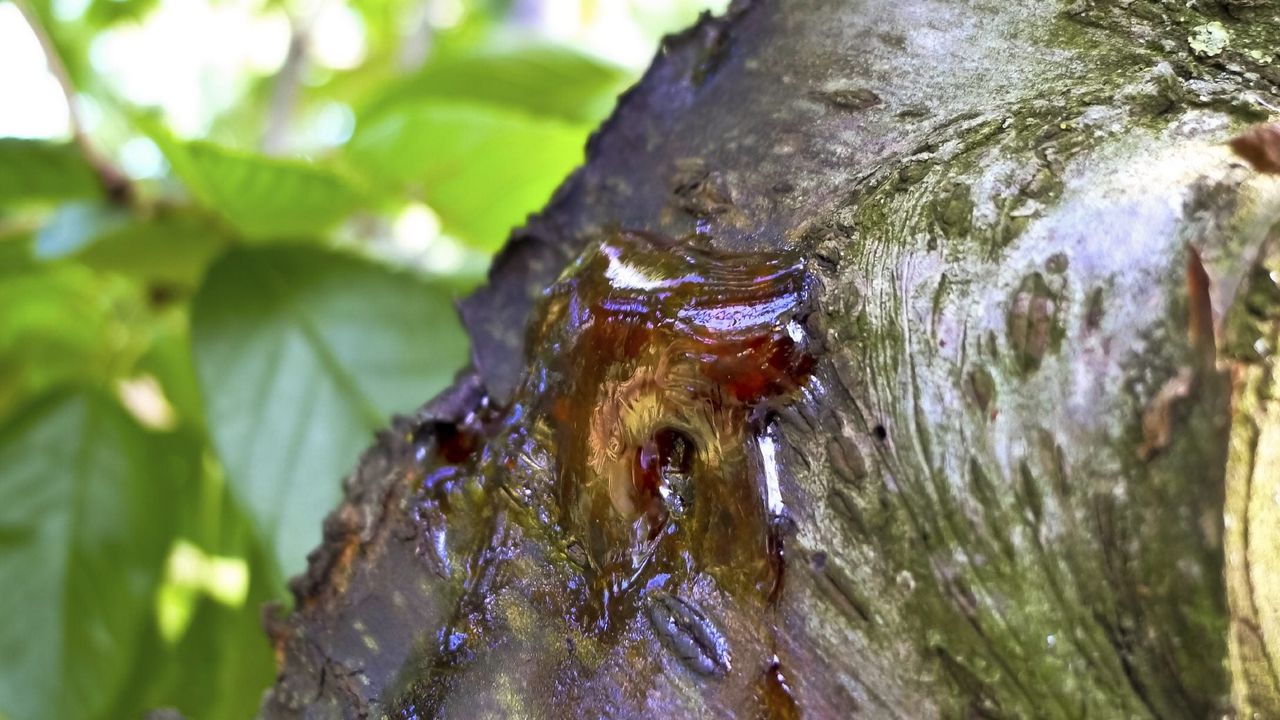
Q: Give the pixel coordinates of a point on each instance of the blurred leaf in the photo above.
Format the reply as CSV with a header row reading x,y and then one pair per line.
x,y
65,324
266,197
259,196
220,667
240,125
15,251
103,13
41,170
168,359
173,248
538,79
75,225
301,354
482,169
84,527
71,38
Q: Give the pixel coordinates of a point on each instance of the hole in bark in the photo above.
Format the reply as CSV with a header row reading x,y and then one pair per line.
x,y
663,473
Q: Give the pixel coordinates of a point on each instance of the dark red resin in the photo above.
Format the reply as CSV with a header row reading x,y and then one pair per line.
x,y
655,360
638,459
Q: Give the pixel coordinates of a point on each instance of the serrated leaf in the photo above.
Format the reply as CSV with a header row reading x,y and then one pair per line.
x,y
39,170
537,79
261,197
482,169
84,529
301,354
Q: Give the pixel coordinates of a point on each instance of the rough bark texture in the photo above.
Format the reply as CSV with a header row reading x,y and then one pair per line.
x,y
1045,317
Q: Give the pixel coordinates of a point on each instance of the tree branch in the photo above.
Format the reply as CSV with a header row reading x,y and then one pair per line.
x,y
1002,492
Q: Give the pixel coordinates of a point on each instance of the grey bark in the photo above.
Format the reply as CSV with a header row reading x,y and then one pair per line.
x,y
1044,316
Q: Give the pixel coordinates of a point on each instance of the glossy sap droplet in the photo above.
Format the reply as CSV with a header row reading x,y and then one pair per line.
x,y
773,693
655,354
634,448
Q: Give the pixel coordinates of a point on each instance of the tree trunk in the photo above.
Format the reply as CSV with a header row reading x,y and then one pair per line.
x,y
969,361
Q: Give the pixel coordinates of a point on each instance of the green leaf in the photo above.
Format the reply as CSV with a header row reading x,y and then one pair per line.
x,y
261,197
15,252
168,360
220,667
84,530
538,79
64,324
172,247
74,226
481,168
223,662
39,170
104,13
301,353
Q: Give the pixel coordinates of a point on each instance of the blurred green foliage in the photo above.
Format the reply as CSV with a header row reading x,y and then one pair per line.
x,y
188,369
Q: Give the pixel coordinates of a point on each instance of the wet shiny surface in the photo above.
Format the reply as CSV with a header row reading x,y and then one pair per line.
x,y
658,363
639,455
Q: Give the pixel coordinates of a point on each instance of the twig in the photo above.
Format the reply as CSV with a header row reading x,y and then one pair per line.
x,y
416,44
284,95
288,82
116,184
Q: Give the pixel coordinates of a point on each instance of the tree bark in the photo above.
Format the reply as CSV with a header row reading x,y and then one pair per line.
x,y
1033,469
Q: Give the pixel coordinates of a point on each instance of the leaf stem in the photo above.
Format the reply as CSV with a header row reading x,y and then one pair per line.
x,y
117,185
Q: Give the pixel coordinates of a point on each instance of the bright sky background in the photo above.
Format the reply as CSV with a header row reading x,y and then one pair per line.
x,y
34,106
211,49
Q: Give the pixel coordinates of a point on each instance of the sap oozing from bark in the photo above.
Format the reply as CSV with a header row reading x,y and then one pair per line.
x,y
639,447
658,363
